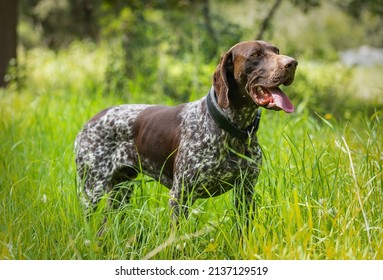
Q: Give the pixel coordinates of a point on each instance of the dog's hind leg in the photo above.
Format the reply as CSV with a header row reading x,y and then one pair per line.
x,y
122,192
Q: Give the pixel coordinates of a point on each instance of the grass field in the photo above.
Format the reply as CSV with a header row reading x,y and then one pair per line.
x,y
319,195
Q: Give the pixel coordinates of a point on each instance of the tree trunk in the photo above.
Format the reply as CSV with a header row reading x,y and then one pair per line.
x,y
8,35
266,21
212,52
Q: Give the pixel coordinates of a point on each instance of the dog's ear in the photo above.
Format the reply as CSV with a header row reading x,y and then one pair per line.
x,y
220,83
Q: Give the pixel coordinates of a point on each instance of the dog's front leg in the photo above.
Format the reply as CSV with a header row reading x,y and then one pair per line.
x,y
178,202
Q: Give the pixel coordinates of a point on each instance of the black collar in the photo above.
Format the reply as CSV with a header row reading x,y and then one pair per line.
x,y
221,119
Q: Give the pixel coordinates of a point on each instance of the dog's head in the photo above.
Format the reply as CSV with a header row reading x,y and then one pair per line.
x,y
253,71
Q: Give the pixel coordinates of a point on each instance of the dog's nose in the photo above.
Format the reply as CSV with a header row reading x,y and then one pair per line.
x,y
289,62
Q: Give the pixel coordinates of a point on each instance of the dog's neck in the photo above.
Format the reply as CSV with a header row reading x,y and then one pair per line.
x,y
243,117
232,119
242,110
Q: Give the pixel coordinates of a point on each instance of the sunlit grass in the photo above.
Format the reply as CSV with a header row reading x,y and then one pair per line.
x,y
319,195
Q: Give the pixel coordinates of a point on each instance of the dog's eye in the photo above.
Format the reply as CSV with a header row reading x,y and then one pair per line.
x,y
256,54
276,50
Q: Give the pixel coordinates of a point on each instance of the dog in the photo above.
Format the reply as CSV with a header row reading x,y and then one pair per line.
x,y
198,149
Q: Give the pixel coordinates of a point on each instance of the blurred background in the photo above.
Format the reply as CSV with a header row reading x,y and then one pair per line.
x,y
167,46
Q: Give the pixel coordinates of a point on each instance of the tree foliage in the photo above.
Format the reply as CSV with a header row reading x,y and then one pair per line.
x,y
143,32
357,7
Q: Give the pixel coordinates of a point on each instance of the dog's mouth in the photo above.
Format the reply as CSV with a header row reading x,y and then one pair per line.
x,y
271,98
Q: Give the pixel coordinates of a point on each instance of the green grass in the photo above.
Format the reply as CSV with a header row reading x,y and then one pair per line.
x,y
319,195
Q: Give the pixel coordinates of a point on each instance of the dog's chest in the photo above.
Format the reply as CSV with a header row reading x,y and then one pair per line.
x,y
236,158
208,156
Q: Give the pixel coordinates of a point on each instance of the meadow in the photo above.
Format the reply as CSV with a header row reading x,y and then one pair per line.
x,y
319,195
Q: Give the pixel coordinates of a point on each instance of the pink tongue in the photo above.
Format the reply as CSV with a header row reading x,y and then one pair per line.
x,y
281,100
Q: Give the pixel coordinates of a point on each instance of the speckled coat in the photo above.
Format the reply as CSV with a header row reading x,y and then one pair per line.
x,y
182,146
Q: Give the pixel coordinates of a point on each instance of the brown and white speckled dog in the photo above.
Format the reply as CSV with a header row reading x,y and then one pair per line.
x,y
198,149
